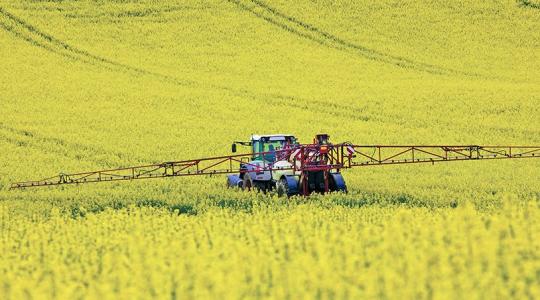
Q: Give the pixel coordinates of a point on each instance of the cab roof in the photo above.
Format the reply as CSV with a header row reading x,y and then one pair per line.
x,y
259,136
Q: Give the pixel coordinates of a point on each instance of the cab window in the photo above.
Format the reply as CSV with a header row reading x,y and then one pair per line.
x,y
272,146
256,149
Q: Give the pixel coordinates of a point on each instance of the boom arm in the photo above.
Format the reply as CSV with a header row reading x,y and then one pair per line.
x,y
387,155
203,166
338,156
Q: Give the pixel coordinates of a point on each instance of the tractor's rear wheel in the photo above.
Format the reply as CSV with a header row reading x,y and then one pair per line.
x,y
336,183
282,187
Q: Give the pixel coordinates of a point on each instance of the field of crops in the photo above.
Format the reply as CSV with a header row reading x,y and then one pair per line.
x,y
97,84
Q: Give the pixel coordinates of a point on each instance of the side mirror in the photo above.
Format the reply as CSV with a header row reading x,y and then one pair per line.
x,y
233,148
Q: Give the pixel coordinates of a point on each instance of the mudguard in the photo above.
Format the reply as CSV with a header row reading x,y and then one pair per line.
x,y
337,183
292,183
234,181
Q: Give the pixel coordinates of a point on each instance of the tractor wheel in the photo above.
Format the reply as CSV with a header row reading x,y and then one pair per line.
x,y
282,187
337,183
234,181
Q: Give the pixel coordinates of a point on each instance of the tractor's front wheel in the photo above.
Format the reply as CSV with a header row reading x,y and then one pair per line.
x,y
234,181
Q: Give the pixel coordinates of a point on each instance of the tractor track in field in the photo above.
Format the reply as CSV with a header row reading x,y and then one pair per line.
x,y
28,139
142,13
278,100
327,39
345,111
353,113
12,30
59,47
50,43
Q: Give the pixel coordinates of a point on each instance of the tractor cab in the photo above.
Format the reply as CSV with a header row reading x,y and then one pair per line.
x,y
264,146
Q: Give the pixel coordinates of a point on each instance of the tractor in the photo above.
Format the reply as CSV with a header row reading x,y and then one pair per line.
x,y
279,162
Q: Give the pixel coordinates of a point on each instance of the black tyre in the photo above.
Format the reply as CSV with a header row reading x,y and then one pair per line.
x,y
337,183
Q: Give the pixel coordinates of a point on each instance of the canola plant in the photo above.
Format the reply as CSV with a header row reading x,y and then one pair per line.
x,y
105,84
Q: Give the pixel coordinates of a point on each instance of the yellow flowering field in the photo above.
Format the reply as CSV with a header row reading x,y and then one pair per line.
x,y
92,84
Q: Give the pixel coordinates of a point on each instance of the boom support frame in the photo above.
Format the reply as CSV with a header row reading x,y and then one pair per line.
x,y
304,158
